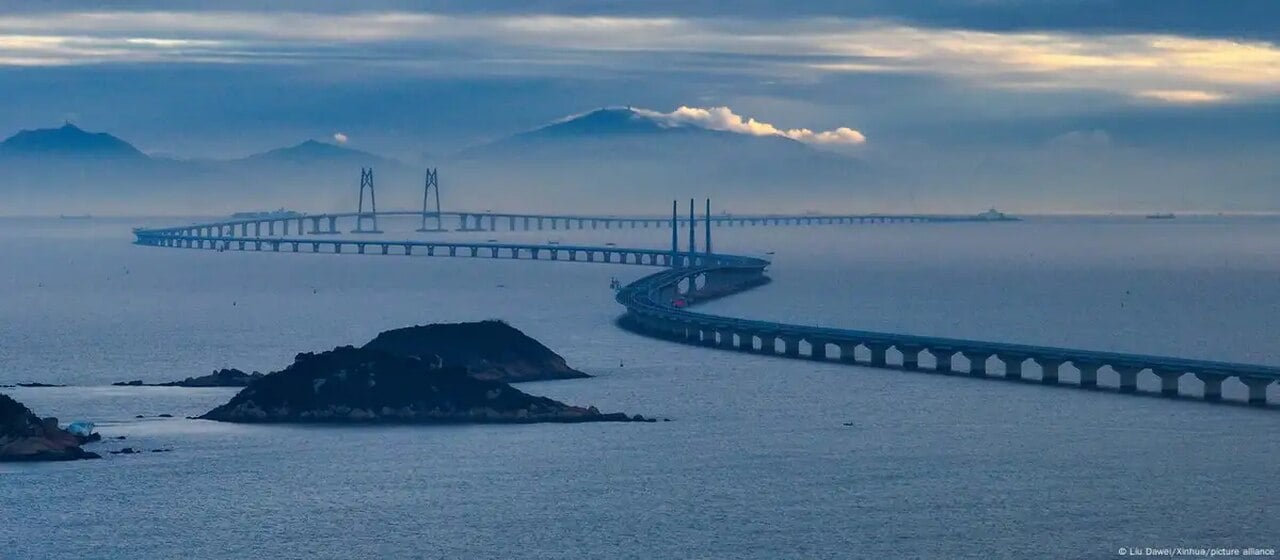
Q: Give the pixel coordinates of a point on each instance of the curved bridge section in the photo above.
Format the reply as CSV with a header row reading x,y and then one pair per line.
x,y
659,305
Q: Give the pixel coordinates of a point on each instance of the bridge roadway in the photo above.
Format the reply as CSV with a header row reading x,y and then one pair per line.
x,y
658,305
327,224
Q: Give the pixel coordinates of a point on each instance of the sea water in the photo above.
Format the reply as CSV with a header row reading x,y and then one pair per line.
x,y
763,458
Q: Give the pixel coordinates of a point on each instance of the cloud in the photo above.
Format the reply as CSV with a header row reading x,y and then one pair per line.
x,y
340,138
724,119
1182,95
1148,67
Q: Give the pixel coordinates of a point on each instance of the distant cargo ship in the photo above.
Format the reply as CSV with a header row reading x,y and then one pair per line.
x,y
1165,216
280,213
74,217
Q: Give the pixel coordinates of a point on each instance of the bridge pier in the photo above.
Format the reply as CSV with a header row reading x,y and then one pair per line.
x,y
879,352
818,349
943,360
1049,370
792,346
1128,378
910,356
1168,381
1212,385
1257,389
848,352
1088,374
768,343
977,363
1012,365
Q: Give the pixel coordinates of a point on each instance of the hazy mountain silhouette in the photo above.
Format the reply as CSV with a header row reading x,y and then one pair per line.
x,y
619,157
315,152
609,160
69,170
67,141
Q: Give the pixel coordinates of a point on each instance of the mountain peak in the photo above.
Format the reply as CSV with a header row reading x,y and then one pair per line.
x,y
310,149
316,151
68,140
605,120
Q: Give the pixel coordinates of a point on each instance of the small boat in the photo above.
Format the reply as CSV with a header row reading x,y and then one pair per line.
x,y
1164,216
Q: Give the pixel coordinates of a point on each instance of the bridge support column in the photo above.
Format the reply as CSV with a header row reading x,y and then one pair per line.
x,y
1012,365
977,363
1257,389
768,344
1128,378
706,336
878,353
1049,370
1088,374
1212,385
1168,381
910,357
848,352
792,346
818,349
944,361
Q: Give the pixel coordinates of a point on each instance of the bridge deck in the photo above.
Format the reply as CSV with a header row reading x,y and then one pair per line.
x,y
648,301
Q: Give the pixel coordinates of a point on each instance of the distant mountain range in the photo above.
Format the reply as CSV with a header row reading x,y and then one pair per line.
x,y
612,159
69,170
621,157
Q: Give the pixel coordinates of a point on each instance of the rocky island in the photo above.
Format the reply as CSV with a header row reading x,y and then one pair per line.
x,y
369,385
26,437
489,350
219,378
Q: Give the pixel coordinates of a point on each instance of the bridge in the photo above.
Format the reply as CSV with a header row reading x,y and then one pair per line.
x,y
327,224
660,305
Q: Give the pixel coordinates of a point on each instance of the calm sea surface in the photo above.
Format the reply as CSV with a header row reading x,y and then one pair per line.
x,y
757,461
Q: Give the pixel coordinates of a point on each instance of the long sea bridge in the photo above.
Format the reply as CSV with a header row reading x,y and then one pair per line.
x,y
660,304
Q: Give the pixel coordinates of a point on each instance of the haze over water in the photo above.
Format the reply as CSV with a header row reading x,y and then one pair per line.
x,y
757,461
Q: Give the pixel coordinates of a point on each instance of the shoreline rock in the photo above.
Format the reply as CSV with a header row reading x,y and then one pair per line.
x,y
489,350
26,437
368,386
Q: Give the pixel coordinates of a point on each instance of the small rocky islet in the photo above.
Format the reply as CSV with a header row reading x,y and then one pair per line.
x,y
227,377
489,350
27,437
365,385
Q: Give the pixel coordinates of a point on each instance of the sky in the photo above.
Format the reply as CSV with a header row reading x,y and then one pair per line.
x,y
1182,92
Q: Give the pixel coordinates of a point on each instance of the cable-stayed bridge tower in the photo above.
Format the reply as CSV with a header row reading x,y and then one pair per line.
x,y
431,185
366,182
